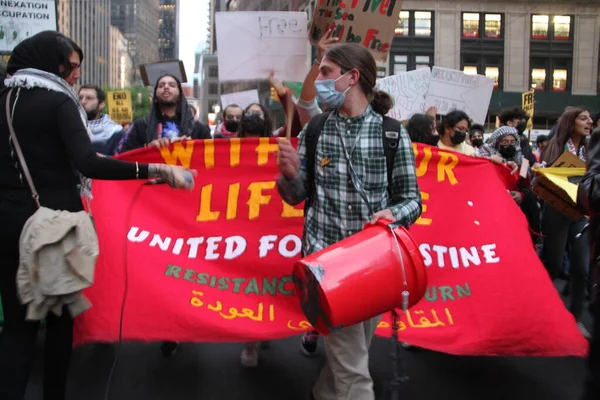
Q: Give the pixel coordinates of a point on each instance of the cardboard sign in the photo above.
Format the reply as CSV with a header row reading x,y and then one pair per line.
x,y
242,99
568,160
528,107
451,90
259,42
152,72
408,89
22,19
119,106
368,22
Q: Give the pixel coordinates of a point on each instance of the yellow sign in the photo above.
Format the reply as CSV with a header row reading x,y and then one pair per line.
x,y
119,106
528,106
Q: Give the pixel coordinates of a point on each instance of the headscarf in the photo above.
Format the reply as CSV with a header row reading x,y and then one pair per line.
x,y
40,51
186,122
491,148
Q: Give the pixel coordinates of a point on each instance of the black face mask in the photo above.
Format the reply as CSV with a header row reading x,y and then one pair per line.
x,y
521,126
459,137
508,151
232,126
253,125
477,142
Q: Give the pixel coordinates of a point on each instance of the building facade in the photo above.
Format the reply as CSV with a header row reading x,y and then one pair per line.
x,y
138,21
207,90
119,60
62,10
168,22
551,47
89,27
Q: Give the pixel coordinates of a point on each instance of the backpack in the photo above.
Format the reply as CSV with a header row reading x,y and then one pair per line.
x,y
391,135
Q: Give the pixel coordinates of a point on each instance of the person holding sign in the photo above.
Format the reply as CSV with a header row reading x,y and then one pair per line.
x,y
170,119
340,169
573,129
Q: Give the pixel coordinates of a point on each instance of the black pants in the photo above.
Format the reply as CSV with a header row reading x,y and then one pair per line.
x,y
18,337
592,384
560,231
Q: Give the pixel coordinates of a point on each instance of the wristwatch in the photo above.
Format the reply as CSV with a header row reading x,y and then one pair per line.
x,y
316,61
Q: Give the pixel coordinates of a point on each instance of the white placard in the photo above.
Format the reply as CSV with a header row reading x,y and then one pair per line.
x,y
242,99
450,90
22,19
408,89
251,44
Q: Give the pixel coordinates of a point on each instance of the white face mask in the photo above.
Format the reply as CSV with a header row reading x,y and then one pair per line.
x,y
328,94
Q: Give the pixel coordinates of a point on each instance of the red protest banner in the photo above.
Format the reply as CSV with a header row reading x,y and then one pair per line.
x,y
215,264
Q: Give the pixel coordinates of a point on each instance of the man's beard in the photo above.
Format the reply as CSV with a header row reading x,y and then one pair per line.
x,y
92,115
168,103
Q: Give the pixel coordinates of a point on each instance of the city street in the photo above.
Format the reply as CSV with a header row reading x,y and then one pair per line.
x,y
213,372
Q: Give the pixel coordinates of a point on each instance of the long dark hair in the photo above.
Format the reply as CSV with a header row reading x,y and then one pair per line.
x,y
352,55
268,132
564,129
451,119
66,47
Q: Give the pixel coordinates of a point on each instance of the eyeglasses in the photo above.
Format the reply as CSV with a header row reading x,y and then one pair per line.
x,y
507,142
233,117
252,112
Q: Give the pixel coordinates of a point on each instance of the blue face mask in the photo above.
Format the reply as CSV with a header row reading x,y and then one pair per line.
x,y
328,94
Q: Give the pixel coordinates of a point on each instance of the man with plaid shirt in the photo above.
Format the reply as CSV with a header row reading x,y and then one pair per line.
x,y
349,159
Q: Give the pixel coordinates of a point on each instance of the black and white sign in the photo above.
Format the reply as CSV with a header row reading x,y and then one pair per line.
x,y
20,19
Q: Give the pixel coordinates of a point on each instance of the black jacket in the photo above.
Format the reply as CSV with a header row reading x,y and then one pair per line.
x,y
588,199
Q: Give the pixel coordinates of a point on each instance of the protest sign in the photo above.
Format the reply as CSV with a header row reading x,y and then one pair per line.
x,y
242,99
260,42
22,19
528,106
151,73
216,264
454,90
119,106
368,22
408,89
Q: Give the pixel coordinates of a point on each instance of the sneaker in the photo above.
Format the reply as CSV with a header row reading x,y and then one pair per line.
x,y
309,343
169,349
249,358
586,334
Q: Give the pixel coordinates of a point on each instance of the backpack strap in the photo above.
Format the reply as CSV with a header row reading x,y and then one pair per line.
x,y
311,137
392,129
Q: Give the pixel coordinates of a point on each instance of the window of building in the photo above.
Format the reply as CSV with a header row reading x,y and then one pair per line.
x,y
381,72
538,78
213,88
539,27
422,23
470,70
493,26
470,25
562,27
422,62
494,73
213,71
400,64
403,24
559,80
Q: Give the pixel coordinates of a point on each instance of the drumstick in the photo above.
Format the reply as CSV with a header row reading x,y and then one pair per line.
x,y
290,115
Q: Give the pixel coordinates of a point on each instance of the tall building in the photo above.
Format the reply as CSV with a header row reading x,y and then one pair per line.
x,y
168,23
120,64
89,27
550,47
138,20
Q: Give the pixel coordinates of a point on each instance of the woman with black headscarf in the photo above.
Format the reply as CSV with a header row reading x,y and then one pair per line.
x,y
50,127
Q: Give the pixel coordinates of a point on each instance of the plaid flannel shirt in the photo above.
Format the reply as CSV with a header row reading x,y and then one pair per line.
x,y
338,210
